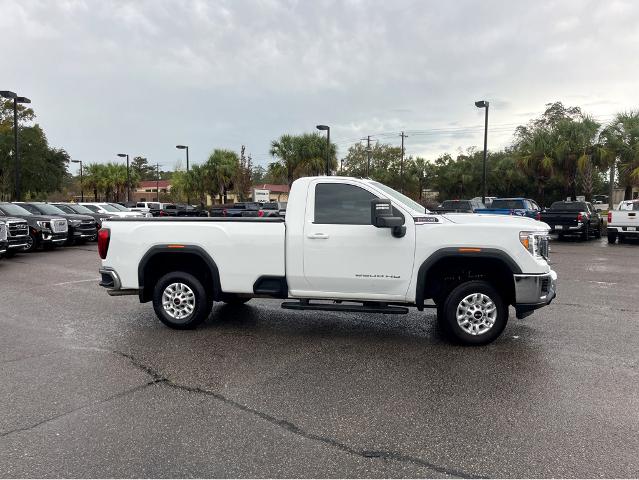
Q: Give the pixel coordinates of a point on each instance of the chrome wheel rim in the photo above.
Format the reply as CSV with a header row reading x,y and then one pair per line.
x,y
30,243
476,314
178,301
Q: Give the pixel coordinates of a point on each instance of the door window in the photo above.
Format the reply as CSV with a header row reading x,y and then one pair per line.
x,y
343,204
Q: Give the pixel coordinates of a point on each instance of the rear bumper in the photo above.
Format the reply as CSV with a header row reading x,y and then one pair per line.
x,y
624,230
534,291
110,280
566,228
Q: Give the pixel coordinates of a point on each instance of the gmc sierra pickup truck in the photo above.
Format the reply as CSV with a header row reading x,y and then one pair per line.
x,y
623,222
346,244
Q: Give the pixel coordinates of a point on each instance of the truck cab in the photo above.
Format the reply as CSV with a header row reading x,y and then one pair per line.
x,y
346,244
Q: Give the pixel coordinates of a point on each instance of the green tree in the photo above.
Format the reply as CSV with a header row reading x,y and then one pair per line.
x,y
221,168
301,155
142,169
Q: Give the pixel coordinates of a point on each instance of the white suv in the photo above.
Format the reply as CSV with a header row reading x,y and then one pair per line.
x,y
103,207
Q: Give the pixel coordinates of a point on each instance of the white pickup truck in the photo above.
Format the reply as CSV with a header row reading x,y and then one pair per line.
x,y
346,244
624,221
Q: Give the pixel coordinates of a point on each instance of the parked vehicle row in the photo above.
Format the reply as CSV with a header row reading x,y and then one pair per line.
x,y
573,218
249,209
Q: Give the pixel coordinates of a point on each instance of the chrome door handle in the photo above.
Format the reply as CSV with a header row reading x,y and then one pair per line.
x,y
317,236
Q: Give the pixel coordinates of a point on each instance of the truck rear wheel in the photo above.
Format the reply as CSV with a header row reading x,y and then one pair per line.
x,y
612,237
473,313
180,301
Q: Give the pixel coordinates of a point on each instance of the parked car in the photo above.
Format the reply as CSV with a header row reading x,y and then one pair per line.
x,y
17,234
522,207
459,206
273,209
488,202
623,223
82,210
105,207
4,243
355,243
122,208
46,231
239,209
81,227
151,207
573,218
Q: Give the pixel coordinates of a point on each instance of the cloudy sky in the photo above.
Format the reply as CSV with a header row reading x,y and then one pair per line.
x,y
140,77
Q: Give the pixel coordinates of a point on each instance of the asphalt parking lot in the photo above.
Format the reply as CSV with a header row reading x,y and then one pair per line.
x,y
95,386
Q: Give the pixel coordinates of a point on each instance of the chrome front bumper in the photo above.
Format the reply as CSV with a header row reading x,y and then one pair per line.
x,y
534,291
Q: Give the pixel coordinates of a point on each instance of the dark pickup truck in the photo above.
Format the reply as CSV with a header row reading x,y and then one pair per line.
x,y
573,218
240,209
459,206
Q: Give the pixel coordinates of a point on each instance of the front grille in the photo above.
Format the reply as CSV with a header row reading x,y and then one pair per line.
x,y
544,247
59,225
87,226
18,229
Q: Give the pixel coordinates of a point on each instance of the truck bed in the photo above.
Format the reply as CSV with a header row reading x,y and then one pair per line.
x,y
241,254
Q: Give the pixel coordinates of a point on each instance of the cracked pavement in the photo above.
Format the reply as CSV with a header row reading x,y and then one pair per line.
x,y
95,386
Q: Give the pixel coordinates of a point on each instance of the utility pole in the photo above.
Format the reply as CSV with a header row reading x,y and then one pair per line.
x,y
368,156
401,165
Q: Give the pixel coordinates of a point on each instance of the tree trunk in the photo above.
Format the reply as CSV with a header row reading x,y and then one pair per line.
x,y
627,194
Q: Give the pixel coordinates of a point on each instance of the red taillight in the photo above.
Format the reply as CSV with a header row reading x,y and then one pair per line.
x,y
580,217
104,235
538,216
609,217
163,213
224,212
260,213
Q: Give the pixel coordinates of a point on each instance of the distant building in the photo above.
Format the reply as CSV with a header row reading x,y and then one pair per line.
x,y
147,191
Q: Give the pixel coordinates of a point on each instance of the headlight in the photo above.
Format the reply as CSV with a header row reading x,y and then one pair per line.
x,y
43,224
536,243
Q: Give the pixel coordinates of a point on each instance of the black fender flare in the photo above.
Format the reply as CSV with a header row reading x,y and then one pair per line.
x,y
181,250
457,252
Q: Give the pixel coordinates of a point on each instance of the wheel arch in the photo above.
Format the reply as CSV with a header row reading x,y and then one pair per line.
x,y
162,259
433,265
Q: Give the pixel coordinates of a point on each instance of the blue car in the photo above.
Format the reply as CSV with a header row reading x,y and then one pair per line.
x,y
523,207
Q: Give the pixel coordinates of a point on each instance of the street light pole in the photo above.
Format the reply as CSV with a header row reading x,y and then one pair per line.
x,y
484,104
16,145
81,183
186,147
157,181
128,177
328,147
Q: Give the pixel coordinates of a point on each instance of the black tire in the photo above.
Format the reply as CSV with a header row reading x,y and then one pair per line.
x,y
9,254
32,243
447,314
621,238
598,231
612,237
202,303
585,234
560,236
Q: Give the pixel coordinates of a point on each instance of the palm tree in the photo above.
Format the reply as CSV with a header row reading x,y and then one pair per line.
x,y
534,149
221,168
620,145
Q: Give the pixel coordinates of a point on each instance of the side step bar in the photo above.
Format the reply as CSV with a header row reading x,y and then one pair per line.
x,y
366,307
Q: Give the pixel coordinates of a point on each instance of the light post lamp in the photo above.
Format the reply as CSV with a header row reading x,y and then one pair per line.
x,y
81,183
328,147
16,146
484,104
128,178
186,147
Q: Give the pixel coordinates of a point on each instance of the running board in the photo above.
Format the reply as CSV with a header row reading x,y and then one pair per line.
x,y
366,307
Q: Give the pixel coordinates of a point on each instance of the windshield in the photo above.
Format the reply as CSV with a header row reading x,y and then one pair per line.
x,y
11,209
47,209
108,207
119,207
509,204
66,209
403,199
79,209
455,204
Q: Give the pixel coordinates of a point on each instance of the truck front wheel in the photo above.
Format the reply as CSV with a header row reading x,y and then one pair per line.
x,y
180,301
473,313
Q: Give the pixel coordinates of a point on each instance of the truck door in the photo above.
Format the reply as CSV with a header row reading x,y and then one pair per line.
x,y
345,253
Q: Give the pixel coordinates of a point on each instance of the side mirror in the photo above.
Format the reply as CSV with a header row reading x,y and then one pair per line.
x,y
382,216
